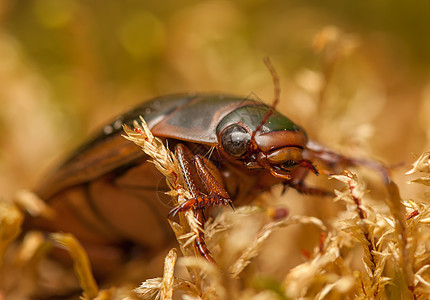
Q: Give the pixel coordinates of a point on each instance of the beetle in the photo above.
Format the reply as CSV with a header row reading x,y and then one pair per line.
x,y
106,192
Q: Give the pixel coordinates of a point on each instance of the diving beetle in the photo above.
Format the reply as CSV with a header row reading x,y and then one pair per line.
x,y
106,193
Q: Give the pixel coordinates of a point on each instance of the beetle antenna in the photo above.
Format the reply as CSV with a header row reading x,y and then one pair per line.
x,y
276,94
276,84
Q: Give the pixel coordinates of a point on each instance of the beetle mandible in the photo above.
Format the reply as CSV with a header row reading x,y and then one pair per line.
x,y
105,194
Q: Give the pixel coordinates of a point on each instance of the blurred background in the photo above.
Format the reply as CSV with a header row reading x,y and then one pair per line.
x,y
354,74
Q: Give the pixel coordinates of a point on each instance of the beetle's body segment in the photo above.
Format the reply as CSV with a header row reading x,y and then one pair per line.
x,y
106,193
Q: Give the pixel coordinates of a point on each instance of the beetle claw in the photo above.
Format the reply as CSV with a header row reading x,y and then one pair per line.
x,y
184,206
308,164
173,212
284,187
200,202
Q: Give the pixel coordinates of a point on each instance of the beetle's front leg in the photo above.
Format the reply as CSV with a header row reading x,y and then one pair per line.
x,y
190,165
199,242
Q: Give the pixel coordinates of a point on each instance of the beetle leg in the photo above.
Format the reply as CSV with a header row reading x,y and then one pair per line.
x,y
200,202
213,186
187,205
199,242
184,157
276,172
217,194
302,188
333,159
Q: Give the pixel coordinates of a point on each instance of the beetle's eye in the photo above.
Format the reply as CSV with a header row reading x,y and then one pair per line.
x,y
235,140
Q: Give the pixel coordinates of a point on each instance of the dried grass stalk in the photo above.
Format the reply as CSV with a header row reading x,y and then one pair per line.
x,y
398,212
10,225
168,279
421,165
31,203
252,251
215,284
151,289
165,161
162,288
392,252
81,263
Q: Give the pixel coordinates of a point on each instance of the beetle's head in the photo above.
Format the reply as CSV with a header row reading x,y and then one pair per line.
x,y
276,145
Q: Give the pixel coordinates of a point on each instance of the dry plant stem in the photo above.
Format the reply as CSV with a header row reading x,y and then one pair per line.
x,y
166,162
355,193
399,213
81,263
163,288
10,225
253,250
417,226
362,215
422,165
365,229
11,216
151,288
201,247
168,279
32,204
301,279
185,239
214,276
